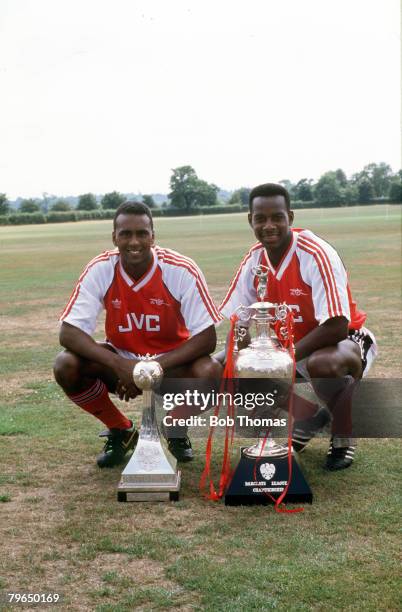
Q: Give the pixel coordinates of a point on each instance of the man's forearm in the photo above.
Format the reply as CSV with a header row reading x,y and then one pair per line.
x,y
328,334
202,344
80,343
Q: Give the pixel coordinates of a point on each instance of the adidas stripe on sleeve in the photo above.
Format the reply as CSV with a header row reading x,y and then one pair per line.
x,y
322,269
86,301
241,290
187,285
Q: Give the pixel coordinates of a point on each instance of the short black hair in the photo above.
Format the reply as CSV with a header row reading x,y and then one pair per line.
x,y
267,190
131,207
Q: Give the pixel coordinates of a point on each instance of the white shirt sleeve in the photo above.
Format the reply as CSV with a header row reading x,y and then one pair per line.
x,y
187,284
323,270
241,291
86,302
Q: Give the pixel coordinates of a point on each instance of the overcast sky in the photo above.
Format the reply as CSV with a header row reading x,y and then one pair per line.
x,y
98,95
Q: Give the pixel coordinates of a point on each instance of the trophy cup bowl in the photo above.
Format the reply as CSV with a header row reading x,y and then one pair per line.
x,y
151,473
265,359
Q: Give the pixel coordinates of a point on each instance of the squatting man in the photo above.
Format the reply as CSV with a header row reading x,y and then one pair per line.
x,y
157,302
332,347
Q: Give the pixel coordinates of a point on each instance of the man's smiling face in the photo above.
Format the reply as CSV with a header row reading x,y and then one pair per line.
x,y
133,236
271,220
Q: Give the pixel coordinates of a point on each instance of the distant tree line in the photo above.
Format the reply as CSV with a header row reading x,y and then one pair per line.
x,y
86,201
376,182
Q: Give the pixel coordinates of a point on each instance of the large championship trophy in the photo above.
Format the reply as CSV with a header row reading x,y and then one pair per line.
x,y
263,471
151,474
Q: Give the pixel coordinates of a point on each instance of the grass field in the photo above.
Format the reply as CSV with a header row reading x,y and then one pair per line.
x,y
62,528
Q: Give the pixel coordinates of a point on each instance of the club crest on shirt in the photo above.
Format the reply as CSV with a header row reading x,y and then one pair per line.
x,y
296,292
158,302
116,304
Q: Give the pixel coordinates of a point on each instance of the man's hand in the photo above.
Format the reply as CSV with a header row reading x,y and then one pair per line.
x,y
123,368
127,392
125,388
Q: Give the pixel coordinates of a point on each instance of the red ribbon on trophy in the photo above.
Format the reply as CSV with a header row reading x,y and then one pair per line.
x,y
284,331
226,469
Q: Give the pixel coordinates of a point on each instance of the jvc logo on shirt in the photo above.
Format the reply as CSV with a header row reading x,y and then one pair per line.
x,y
145,322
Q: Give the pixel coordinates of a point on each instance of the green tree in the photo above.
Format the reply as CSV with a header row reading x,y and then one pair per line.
x,y
341,177
289,186
206,194
381,177
61,206
149,201
303,190
4,205
328,189
112,200
46,199
395,191
365,190
188,191
87,201
350,194
29,205
183,185
240,196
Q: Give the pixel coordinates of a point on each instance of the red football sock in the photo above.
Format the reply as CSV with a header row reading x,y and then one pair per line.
x,y
96,401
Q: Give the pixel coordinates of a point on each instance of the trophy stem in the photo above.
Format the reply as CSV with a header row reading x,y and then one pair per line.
x,y
149,426
266,447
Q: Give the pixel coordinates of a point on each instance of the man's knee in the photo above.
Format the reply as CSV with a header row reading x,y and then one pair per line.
x,y
67,370
335,362
320,365
206,367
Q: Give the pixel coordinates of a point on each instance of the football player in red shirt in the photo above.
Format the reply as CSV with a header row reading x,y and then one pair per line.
x,y
156,302
306,273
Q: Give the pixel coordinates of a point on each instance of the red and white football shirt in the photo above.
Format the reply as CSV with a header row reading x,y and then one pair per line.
x,y
310,278
154,314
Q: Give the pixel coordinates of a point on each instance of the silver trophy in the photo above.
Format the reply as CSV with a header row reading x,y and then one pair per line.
x,y
263,473
151,474
264,358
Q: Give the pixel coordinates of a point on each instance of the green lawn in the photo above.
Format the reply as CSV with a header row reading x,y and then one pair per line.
x,y
62,528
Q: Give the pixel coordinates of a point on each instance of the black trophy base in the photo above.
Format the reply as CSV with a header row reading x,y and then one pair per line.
x,y
263,484
124,496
